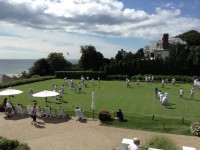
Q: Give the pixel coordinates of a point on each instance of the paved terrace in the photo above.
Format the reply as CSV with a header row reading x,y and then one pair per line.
x,y
62,134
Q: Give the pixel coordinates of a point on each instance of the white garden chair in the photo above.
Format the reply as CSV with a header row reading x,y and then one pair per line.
x,y
19,110
188,148
48,112
79,114
29,109
61,113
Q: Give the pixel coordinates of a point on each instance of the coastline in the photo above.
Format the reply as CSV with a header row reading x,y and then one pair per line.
x,y
15,67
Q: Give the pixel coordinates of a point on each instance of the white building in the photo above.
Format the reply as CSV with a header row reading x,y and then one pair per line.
x,y
162,47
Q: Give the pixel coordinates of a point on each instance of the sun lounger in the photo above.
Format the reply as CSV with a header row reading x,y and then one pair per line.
x,y
188,148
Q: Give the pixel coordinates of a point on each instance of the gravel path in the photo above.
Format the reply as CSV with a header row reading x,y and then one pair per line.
x,y
62,134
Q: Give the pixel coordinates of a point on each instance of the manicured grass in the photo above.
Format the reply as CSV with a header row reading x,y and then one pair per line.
x,y
138,103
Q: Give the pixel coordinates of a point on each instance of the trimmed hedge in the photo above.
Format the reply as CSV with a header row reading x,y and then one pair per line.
x,y
25,81
117,77
78,74
6,144
179,78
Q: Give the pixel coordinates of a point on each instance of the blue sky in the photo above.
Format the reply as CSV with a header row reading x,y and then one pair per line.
x,y
32,29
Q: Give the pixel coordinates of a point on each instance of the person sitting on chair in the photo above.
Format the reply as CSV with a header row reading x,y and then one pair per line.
x,y
120,115
9,109
135,144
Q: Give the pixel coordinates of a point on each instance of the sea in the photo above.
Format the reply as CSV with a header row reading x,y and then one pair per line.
x,y
17,66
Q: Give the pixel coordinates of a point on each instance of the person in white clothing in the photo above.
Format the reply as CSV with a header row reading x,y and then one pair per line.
x,y
135,144
163,83
166,94
164,101
192,93
161,97
9,109
181,92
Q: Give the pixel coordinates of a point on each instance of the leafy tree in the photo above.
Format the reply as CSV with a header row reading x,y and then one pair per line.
x,y
119,56
90,58
139,54
192,37
57,62
129,57
40,67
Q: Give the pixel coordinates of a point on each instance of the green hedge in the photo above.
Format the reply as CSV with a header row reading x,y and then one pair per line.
x,y
179,78
78,74
25,81
6,144
117,77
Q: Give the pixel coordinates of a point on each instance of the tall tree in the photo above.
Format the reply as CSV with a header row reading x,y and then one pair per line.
x,y
40,67
90,58
57,62
119,56
192,37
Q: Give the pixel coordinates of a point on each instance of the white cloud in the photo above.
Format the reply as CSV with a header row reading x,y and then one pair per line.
x,y
103,17
32,43
46,25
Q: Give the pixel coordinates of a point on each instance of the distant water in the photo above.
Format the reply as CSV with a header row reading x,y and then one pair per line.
x,y
17,66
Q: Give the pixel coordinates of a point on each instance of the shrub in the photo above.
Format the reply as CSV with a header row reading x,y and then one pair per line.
x,y
117,77
23,146
78,74
35,76
195,128
160,142
104,115
25,81
6,144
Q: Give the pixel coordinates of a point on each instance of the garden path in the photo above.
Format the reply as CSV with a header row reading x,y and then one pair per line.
x,y
62,134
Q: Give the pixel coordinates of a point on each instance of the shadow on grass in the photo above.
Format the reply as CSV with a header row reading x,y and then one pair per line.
x,y
197,100
58,102
111,121
131,87
33,100
64,101
169,106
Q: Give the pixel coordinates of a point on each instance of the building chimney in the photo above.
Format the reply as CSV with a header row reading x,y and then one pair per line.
x,y
165,41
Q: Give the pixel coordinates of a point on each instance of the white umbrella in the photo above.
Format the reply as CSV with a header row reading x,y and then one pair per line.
x,y
10,92
93,102
46,93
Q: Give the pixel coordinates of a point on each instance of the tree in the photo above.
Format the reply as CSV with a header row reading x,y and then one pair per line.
x,y
90,58
57,62
139,54
192,37
40,67
129,57
119,56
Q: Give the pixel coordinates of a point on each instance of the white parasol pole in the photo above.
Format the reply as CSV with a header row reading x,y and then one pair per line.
x,y
93,103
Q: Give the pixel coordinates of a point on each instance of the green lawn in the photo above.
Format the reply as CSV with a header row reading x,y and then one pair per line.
x,y
135,102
